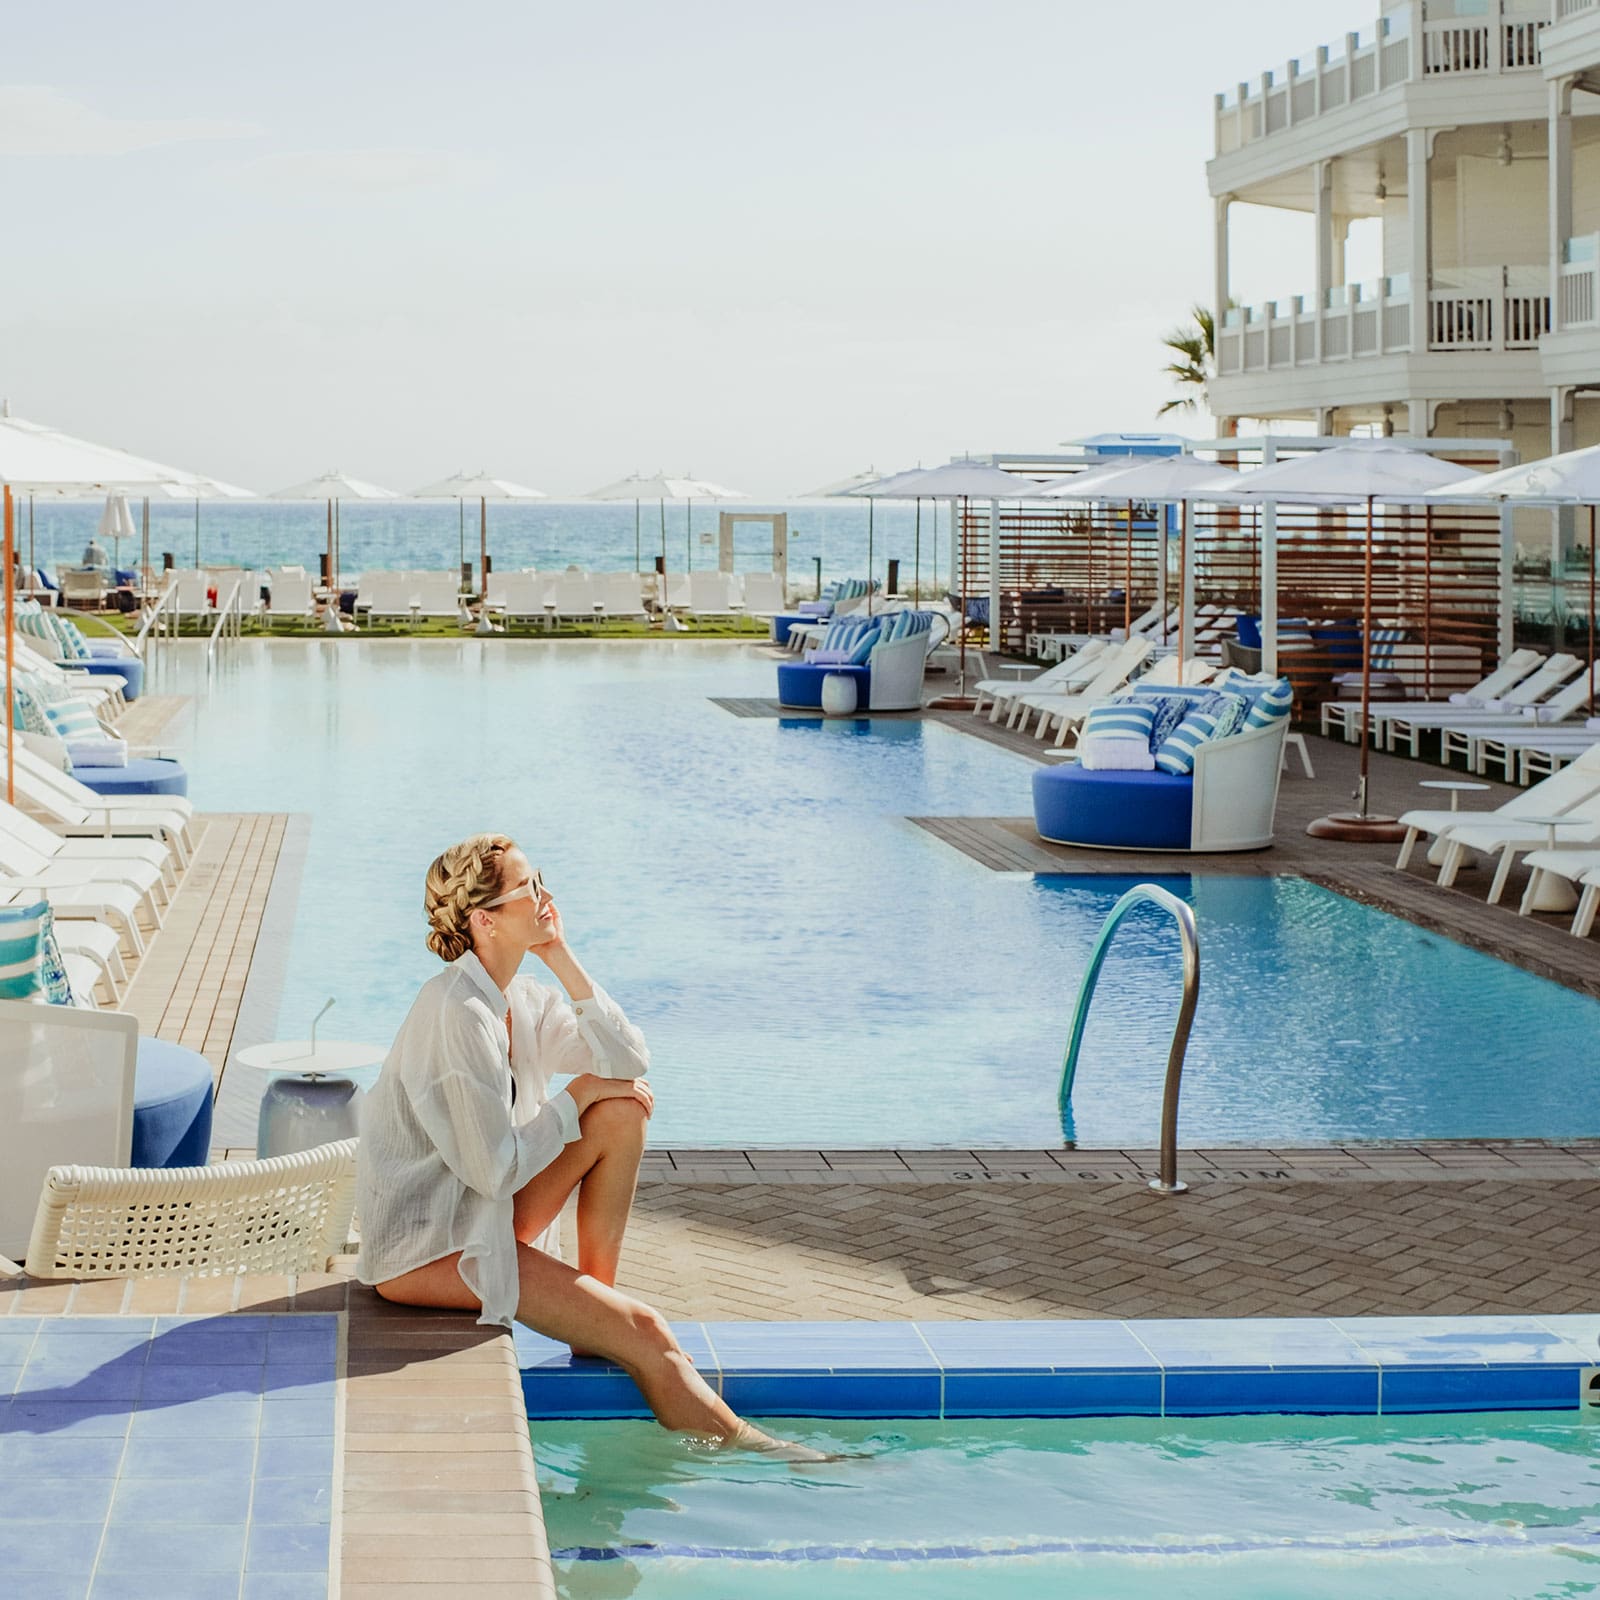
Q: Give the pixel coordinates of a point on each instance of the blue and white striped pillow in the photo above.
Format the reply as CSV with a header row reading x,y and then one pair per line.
x,y
1176,752
21,942
1271,704
72,719
841,635
73,645
1120,719
864,647
1383,642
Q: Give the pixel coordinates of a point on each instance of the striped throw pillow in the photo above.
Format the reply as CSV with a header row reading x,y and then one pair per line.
x,y
72,719
1121,719
21,942
1383,642
863,647
73,645
36,625
27,711
53,979
1271,704
1176,752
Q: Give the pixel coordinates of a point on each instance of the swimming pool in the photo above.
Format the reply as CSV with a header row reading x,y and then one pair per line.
x,y
812,968
1234,1508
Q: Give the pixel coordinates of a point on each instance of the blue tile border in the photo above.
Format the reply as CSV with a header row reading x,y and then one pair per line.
x,y
1345,1366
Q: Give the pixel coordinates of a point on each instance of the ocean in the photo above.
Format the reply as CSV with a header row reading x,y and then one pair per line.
x,y
547,534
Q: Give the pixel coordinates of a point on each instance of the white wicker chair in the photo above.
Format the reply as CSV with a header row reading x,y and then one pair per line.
x,y
284,1214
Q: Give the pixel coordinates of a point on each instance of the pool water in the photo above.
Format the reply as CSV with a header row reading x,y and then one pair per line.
x,y
1232,1509
811,968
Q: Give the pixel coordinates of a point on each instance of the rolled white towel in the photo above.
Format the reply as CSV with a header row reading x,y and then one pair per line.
x,y
1477,702
97,752
1107,752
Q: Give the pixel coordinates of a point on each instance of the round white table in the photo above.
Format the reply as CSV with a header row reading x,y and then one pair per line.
x,y
1437,849
309,1099
1547,892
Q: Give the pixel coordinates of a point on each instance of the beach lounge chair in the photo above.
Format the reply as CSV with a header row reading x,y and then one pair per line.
x,y
577,595
293,596
23,867
43,842
764,594
84,587
1550,798
1507,839
434,595
1402,721
997,692
712,594
1493,738
74,810
622,595
284,1214
1116,667
519,595
1344,715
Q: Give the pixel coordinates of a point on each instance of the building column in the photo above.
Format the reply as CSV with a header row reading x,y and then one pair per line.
x,y
1322,220
1419,225
1417,419
1560,191
1220,294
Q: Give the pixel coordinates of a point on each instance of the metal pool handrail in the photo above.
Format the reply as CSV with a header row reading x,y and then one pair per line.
x,y
1183,915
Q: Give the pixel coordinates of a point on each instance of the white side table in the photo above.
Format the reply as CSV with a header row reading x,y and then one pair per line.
x,y
308,1101
1456,786
838,694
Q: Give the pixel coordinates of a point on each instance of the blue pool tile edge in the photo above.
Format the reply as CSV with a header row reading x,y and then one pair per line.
x,y
1347,1366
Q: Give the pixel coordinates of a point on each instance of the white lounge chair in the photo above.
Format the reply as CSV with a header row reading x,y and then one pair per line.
x,y
999,693
434,594
1548,799
1410,722
1066,710
577,595
284,1214
1345,714
1494,739
520,596
77,812
764,594
1509,838
24,868
713,594
35,836
622,595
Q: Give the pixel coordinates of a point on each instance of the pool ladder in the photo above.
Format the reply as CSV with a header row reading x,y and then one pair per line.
x,y
1183,914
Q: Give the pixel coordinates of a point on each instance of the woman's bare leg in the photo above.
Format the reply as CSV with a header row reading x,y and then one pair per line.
x,y
571,1306
603,1166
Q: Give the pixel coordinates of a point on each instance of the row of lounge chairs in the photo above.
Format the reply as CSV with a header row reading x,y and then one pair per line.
x,y
1564,806
1531,715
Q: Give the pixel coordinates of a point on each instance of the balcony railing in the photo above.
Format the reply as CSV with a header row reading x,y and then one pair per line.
x,y
1571,8
1482,309
1406,46
1580,281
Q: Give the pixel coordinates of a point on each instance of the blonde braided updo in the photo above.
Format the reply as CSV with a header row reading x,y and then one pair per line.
x,y
459,881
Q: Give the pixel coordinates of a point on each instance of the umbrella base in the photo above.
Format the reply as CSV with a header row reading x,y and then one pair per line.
x,y
951,702
1352,827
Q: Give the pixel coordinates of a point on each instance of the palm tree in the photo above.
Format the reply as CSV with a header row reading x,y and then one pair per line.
x,y
1196,347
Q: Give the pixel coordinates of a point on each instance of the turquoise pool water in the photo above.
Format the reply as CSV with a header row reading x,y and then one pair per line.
x,y
1233,1509
812,968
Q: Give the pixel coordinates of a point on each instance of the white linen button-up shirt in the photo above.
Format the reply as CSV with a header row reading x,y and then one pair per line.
x,y
461,1118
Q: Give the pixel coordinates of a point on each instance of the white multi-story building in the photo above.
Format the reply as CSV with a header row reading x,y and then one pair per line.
x,y
1471,129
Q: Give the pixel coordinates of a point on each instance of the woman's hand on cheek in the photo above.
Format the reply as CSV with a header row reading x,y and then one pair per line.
x,y
553,934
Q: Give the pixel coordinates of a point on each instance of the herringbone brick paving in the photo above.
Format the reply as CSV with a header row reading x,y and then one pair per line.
x,y
925,1251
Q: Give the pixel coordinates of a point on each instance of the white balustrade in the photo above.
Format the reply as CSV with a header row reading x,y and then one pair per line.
x,y
1580,280
1400,48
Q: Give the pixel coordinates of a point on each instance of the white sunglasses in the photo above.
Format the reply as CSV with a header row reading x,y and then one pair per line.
x,y
533,890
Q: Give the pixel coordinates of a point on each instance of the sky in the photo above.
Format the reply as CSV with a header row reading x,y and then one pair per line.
x,y
766,245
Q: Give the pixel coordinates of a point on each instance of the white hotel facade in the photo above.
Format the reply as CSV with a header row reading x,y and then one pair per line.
x,y
1471,129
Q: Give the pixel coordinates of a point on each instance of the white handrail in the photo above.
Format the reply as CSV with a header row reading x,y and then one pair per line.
x,y
158,621
229,624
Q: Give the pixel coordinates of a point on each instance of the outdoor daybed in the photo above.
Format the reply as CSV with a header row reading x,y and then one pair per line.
x,y
885,655
1225,801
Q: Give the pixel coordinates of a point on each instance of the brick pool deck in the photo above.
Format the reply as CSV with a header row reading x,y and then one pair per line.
x,y
436,1492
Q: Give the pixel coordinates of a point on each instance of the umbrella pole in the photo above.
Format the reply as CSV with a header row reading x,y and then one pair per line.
x,y
1363,827
11,645
638,558
1591,600
916,557
197,533
331,583
688,536
461,533
1127,581
962,689
870,508
483,545
33,559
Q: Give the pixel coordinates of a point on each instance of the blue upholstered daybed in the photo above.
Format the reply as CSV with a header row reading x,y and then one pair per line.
x,y
885,655
1225,801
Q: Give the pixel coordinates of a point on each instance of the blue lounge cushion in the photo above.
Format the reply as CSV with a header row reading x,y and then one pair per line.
x,y
171,1106
129,668
148,775
1113,810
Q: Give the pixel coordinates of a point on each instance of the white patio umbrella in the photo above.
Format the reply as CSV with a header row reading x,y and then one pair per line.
x,y
1569,479
1363,471
661,488
479,486
962,480
116,524
333,487
38,460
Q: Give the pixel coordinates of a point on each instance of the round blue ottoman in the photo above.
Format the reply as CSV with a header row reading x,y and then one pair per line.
x,y
801,685
1113,810
171,1106
129,668
153,775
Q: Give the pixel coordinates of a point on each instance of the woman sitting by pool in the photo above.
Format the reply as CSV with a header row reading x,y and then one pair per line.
x,y
467,1158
